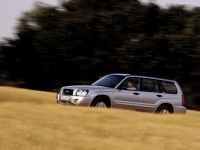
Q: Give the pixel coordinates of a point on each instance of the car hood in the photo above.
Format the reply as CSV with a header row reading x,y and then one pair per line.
x,y
89,87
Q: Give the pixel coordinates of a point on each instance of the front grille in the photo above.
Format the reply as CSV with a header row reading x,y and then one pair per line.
x,y
67,91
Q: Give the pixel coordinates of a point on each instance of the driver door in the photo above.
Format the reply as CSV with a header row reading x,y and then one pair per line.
x,y
126,98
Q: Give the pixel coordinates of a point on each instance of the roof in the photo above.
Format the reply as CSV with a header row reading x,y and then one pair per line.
x,y
139,76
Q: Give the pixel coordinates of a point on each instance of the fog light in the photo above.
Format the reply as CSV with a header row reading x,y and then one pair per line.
x,y
75,101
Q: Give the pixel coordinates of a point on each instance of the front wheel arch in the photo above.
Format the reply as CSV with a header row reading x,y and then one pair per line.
x,y
105,98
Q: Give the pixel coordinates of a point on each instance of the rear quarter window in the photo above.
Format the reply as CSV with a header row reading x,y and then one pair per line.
x,y
169,87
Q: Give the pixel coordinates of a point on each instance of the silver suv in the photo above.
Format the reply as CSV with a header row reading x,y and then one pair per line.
x,y
148,94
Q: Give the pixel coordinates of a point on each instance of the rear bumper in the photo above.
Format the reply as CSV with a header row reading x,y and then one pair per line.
x,y
179,109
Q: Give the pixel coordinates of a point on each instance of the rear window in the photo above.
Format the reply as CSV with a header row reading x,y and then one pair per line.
x,y
169,87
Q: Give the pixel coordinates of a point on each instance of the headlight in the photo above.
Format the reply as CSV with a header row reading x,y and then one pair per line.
x,y
60,91
81,92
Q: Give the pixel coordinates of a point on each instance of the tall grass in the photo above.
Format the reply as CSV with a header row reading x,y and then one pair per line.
x,y
32,120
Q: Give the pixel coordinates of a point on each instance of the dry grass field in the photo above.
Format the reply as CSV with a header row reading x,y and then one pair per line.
x,y
32,120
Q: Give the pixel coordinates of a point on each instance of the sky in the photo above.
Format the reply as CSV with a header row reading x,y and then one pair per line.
x,y
11,10
166,3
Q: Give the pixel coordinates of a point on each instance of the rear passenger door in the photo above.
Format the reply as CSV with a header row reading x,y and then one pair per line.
x,y
150,94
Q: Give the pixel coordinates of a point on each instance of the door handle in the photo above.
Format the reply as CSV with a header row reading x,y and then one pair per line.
x,y
136,93
159,95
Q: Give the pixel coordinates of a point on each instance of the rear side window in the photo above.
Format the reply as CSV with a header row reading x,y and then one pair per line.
x,y
149,85
169,87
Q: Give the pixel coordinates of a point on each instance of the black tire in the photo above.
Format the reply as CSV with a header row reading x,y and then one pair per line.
x,y
164,110
100,102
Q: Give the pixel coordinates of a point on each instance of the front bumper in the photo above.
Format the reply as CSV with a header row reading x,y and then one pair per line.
x,y
74,100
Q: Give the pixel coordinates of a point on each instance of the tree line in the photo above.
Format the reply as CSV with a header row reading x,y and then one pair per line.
x,y
79,41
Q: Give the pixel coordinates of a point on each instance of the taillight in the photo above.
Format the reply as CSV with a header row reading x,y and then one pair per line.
x,y
183,100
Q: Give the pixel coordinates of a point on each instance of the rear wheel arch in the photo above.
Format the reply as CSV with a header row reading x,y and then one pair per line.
x,y
103,97
167,105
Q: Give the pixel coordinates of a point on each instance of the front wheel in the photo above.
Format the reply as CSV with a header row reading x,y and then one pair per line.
x,y
100,103
164,110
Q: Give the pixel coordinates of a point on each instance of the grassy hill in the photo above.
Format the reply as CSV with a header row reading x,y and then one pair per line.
x,y
32,120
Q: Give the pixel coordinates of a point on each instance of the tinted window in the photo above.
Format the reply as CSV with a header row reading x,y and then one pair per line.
x,y
109,81
169,87
149,85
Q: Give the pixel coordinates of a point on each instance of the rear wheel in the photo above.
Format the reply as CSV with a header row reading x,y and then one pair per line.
x,y
164,110
100,103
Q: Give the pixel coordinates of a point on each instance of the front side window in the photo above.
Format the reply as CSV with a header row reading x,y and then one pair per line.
x,y
169,87
131,84
109,81
150,85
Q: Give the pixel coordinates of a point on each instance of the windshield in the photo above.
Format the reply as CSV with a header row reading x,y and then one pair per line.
x,y
109,81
